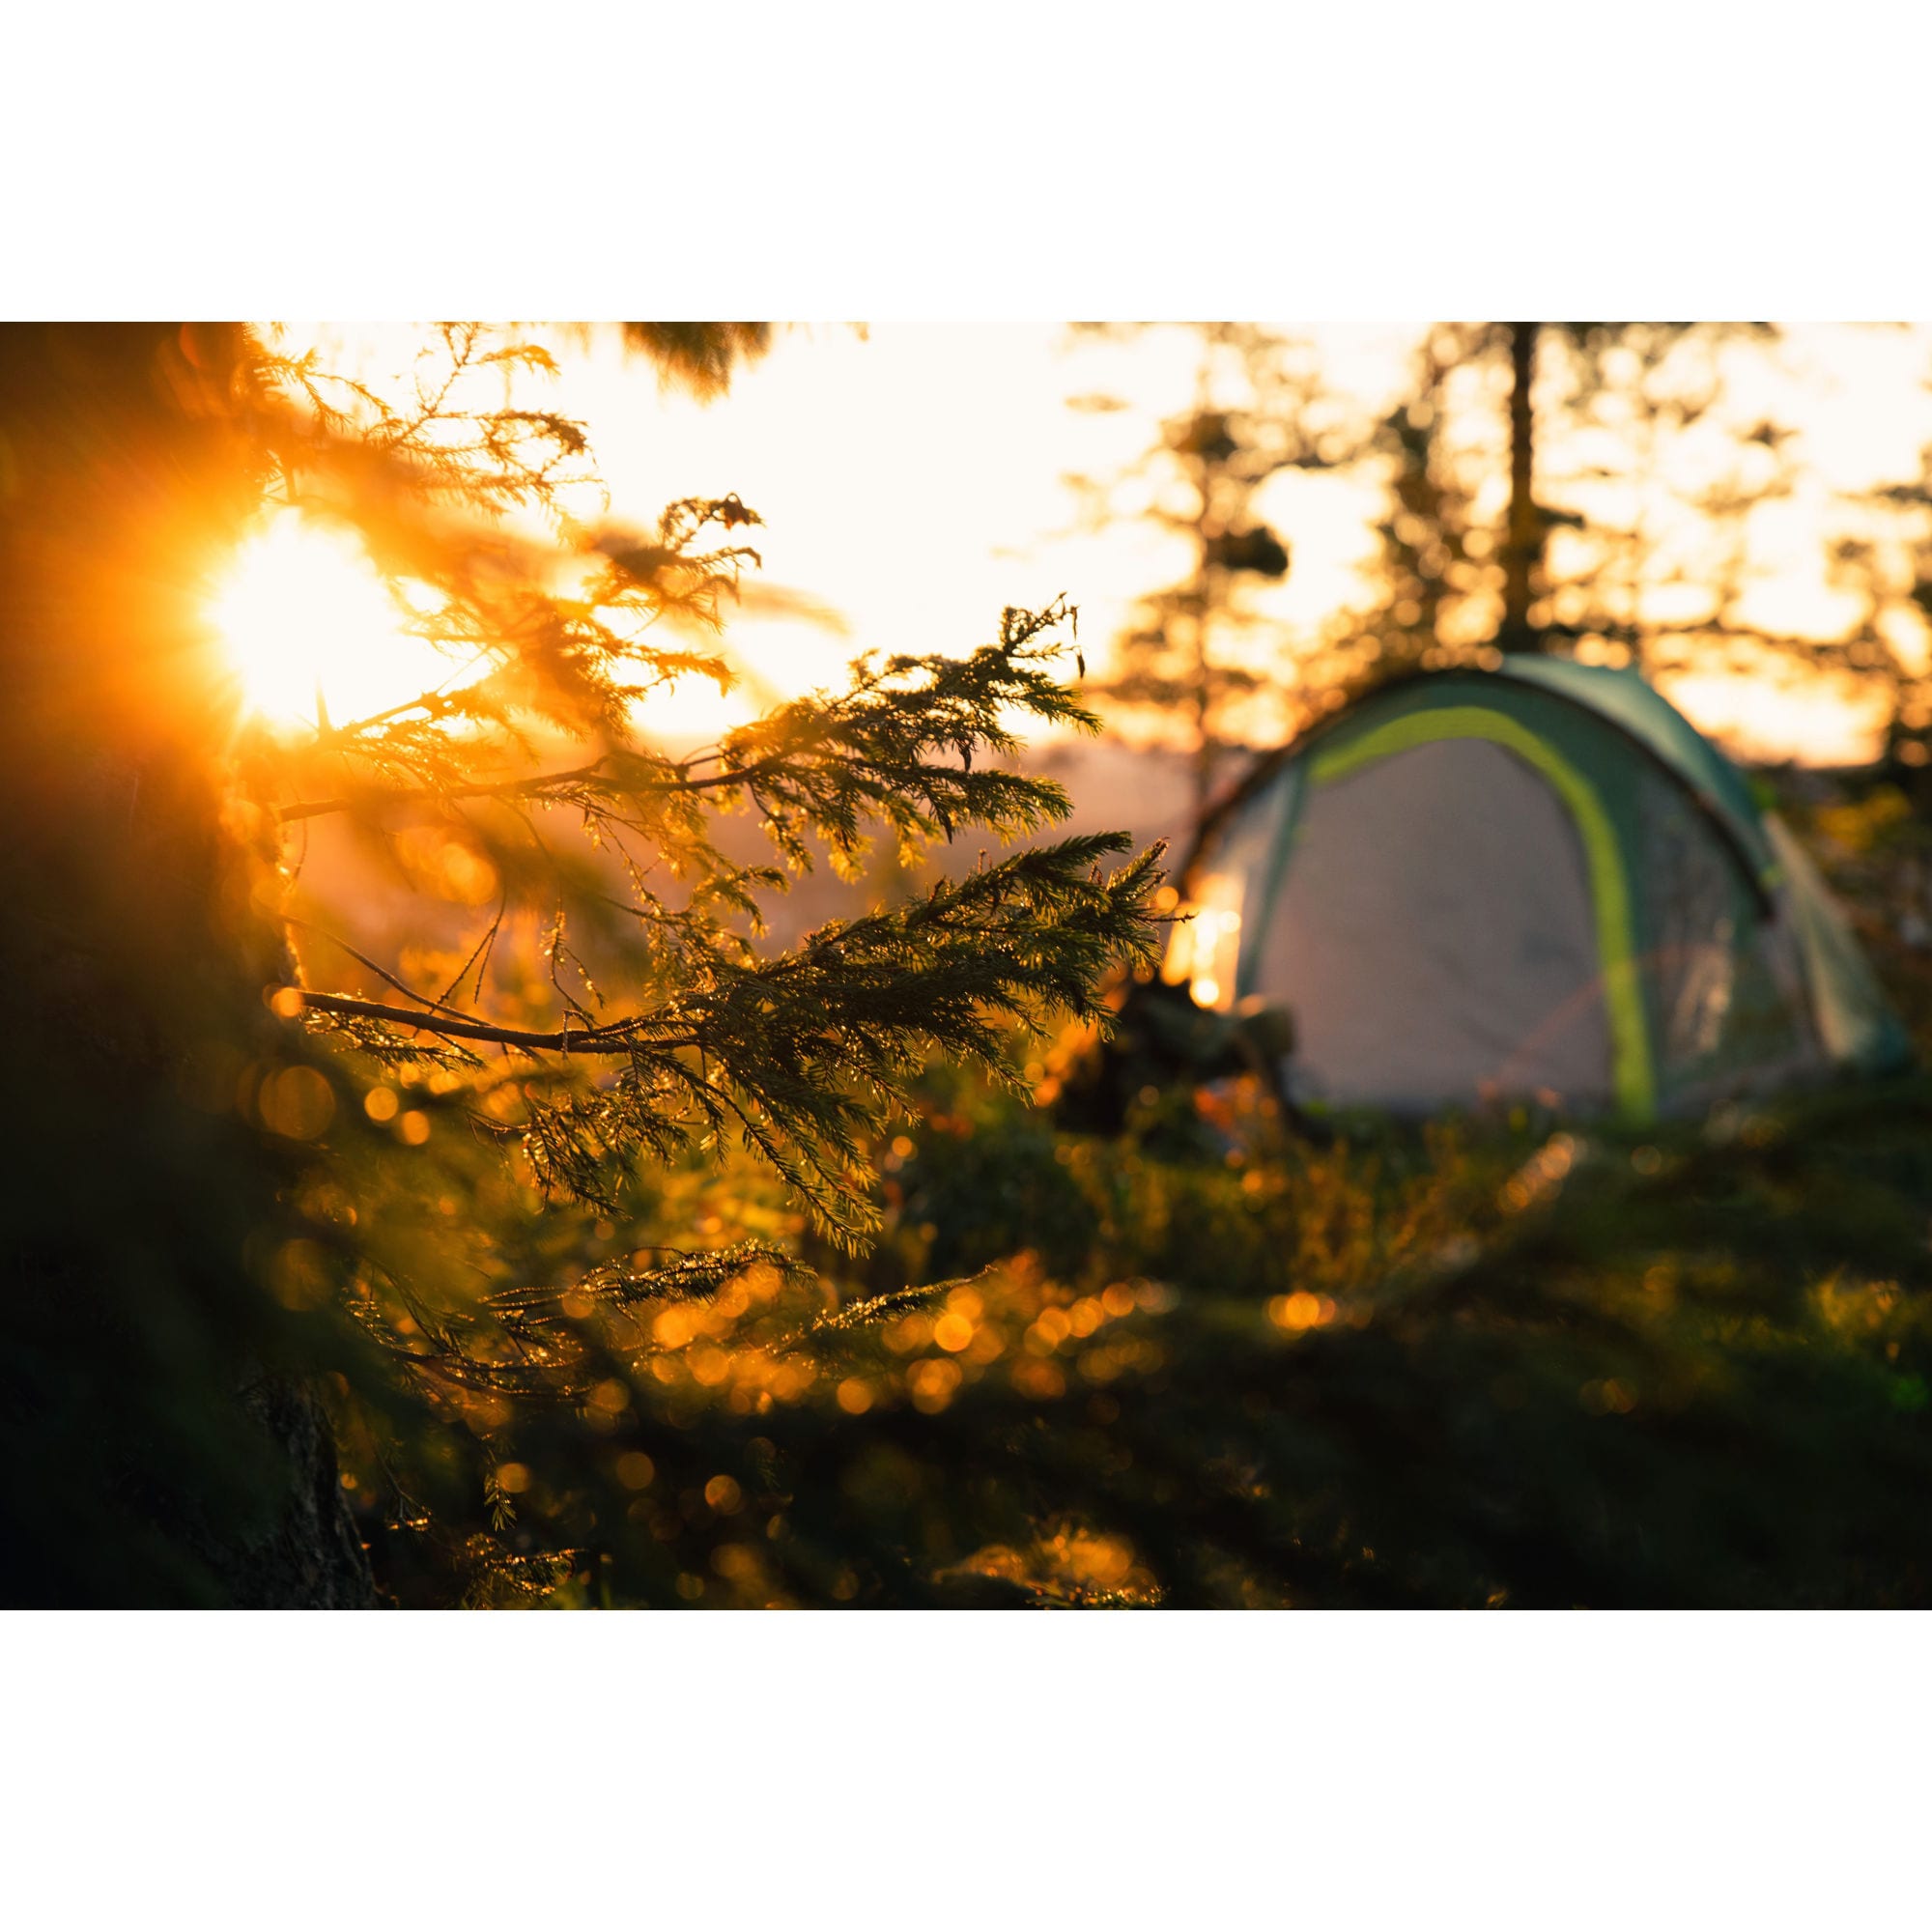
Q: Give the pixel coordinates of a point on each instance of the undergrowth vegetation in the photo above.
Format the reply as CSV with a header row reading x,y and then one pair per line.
x,y
1203,1362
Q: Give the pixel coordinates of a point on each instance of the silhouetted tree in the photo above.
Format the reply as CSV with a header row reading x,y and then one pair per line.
x,y
1259,407
1525,465
1882,555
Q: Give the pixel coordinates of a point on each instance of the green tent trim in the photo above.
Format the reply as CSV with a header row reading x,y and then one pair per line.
x,y
1632,1073
1622,698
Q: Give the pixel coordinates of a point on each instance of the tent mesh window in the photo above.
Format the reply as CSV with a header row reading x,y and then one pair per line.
x,y
1726,986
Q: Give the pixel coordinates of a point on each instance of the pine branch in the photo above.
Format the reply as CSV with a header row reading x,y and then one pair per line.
x,y
618,1039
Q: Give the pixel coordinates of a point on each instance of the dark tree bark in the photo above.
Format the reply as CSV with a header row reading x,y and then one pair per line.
x,y
1523,538
159,1431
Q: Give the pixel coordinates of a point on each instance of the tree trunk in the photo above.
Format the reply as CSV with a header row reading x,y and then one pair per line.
x,y
160,1438
1205,749
1522,540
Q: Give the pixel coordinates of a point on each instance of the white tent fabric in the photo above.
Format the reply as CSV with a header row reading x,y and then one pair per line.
x,y
1433,937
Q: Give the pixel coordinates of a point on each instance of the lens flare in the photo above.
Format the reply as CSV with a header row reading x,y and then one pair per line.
x,y
305,619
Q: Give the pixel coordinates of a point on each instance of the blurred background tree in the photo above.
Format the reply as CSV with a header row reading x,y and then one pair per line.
x,y
1565,485
1882,556
1546,486
1259,407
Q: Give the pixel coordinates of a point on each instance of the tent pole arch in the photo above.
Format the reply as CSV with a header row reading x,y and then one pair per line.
x,y
1633,1071
1757,860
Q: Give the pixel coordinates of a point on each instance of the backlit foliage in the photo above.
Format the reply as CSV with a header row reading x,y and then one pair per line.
x,y
588,1003
667,1024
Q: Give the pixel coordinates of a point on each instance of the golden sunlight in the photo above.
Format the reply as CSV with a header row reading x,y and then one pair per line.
x,y
306,620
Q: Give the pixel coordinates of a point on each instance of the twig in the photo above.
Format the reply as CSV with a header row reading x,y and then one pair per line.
x,y
619,1036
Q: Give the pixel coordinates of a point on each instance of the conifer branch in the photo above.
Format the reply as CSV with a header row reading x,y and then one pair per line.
x,y
599,1039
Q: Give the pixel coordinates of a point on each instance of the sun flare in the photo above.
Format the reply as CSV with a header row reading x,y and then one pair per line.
x,y
305,619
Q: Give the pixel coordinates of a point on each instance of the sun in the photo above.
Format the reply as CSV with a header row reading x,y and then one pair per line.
x,y
305,619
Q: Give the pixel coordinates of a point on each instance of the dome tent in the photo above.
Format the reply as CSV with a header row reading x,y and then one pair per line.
x,y
1539,882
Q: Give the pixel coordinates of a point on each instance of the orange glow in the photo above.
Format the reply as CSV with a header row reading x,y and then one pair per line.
x,y
1300,1310
953,1332
1203,947
298,1103
304,615
1814,719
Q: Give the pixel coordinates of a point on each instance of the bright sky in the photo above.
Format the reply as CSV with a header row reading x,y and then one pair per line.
x,y
911,481
911,478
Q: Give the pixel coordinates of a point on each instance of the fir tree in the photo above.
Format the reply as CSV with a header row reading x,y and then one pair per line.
x,y
248,1228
